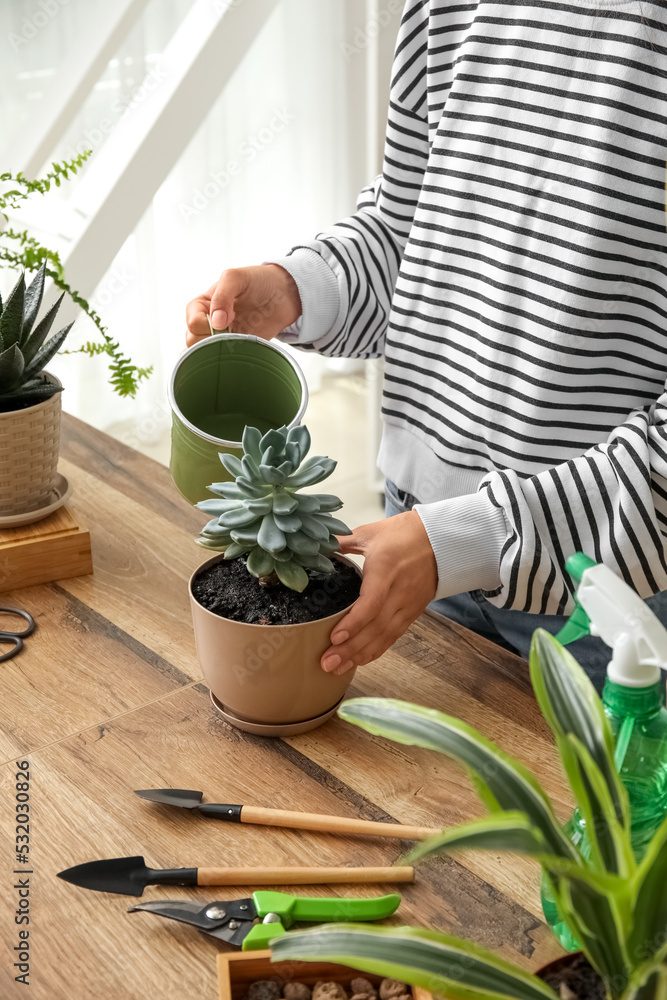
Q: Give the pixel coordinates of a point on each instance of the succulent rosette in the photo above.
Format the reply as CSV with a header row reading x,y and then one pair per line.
x,y
262,513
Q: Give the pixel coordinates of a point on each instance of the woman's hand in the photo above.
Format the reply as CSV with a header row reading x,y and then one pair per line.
x,y
400,580
260,300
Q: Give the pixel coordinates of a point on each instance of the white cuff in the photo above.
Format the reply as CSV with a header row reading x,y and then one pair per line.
x,y
467,535
320,297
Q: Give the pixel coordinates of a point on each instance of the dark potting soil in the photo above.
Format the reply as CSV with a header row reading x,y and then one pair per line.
x,y
576,979
227,589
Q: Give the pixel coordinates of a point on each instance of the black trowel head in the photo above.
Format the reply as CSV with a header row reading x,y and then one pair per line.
x,y
184,797
127,876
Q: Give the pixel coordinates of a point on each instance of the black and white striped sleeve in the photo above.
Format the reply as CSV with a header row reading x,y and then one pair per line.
x,y
346,276
610,502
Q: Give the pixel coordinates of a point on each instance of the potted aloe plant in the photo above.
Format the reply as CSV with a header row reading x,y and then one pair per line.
x,y
614,906
29,400
264,609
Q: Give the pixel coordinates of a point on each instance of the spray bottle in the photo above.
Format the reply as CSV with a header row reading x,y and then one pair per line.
x,y
633,699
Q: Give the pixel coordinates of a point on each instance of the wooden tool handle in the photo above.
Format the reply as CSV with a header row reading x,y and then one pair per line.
x,y
301,876
332,824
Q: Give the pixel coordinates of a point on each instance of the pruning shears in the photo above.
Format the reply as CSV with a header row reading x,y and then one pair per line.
x,y
252,923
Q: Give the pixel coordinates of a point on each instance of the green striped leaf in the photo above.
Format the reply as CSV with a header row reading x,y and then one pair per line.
x,y
437,962
609,843
510,831
506,784
592,908
654,986
571,705
648,937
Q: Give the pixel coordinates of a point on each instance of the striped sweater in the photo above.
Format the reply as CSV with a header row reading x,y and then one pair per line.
x,y
510,264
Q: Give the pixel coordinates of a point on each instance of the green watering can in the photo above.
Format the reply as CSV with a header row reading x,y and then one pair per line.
x,y
219,386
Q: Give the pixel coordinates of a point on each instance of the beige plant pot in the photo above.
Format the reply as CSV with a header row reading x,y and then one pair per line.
x,y
267,675
29,450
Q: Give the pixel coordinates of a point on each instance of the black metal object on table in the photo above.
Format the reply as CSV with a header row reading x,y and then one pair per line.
x,y
11,636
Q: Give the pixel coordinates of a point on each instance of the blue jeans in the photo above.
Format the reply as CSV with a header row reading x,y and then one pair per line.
x,y
513,630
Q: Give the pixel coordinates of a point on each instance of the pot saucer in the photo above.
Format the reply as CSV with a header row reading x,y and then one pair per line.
x,y
276,731
60,494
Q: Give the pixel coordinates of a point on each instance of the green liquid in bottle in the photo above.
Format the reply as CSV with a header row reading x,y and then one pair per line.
x,y
639,722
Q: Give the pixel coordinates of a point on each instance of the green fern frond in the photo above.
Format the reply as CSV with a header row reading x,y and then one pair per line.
x,y
29,255
40,185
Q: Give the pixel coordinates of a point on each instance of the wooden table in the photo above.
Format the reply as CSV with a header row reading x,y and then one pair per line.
x,y
107,697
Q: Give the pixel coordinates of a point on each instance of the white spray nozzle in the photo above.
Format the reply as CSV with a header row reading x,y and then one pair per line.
x,y
622,619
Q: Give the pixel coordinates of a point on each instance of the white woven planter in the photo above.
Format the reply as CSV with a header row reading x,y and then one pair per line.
x,y
29,449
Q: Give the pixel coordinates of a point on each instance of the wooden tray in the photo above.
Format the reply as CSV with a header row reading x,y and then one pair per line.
x,y
238,969
56,548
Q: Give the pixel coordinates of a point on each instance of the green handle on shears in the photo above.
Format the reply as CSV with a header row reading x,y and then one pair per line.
x,y
261,935
309,908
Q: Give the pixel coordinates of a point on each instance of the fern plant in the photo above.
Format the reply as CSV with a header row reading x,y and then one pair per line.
x,y
263,515
613,905
18,249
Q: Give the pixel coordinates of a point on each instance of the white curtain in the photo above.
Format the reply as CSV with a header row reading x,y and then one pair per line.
x,y
290,123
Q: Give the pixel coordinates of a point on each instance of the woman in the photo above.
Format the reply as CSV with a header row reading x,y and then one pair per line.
x,y
509,264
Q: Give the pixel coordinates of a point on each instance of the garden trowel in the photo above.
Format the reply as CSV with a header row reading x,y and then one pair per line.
x,y
187,799
130,876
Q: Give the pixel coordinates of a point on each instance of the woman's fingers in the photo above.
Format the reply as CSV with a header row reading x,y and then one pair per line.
x,y
400,578
260,300
365,617
232,285
399,623
372,596
355,542
369,642
196,317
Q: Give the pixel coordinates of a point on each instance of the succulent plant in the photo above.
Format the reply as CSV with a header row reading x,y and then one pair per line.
x,y
263,514
24,349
